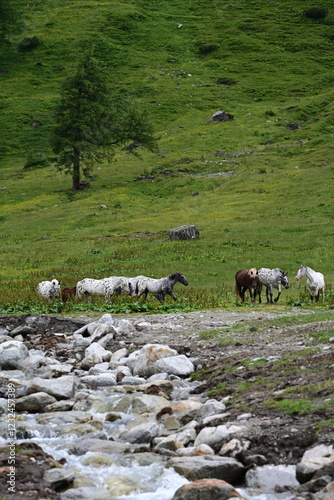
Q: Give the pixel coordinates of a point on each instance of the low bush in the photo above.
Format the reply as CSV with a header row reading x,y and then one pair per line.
x,y
316,13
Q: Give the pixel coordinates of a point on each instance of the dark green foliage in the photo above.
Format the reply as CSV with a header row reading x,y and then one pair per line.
x,y
226,81
316,13
9,19
89,123
34,162
205,48
29,43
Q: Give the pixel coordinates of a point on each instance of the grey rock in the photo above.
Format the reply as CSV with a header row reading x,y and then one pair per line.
x,y
59,479
60,388
313,460
185,232
23,330
12,353
207,466
34,403
206,489
60,406
176,365
83,445
270,476
96,381
209,409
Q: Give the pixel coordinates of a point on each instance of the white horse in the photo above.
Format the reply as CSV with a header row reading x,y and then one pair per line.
x,y
272,278
48,290
315,282
105,287
89,286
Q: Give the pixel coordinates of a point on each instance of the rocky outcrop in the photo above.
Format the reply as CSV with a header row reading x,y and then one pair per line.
x,y
186,232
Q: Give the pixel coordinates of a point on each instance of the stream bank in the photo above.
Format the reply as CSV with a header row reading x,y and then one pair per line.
x,y
89,417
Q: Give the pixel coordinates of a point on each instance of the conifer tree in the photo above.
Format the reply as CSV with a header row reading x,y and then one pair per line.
x,y
89,123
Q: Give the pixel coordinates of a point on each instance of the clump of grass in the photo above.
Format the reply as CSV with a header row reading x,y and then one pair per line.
x,y
205,48
293,407
324,424
220,390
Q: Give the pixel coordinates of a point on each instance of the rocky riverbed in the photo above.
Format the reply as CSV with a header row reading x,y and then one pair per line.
x,y
106,407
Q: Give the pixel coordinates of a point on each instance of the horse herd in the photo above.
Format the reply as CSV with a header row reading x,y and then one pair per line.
x,y
107,287
251,280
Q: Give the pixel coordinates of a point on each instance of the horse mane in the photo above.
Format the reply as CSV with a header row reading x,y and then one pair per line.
x,y
174,276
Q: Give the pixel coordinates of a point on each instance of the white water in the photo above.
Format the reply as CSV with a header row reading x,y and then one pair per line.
x,y
150,482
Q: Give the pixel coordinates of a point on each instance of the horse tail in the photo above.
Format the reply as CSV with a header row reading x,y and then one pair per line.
x,y
238,289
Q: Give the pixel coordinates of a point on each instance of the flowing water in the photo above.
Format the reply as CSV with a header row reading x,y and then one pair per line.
x,y
138,481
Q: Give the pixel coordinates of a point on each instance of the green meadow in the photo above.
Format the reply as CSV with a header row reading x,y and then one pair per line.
x,y
259,187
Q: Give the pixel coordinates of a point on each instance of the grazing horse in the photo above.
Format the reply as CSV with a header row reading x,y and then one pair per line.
x,y
48,290
315,282
116,285
247,279
272,278
159,287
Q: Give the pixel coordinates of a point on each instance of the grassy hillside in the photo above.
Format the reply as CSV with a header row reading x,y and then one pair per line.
x,y
258,187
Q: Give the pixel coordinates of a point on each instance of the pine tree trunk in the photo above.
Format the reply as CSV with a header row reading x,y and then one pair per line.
x,y
76,170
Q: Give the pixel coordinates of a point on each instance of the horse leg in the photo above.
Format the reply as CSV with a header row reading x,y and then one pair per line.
x,y
160,297
172,295
269,294
251,294
278,293
316,295
258,291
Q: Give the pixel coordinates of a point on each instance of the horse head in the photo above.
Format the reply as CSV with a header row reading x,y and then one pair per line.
x,y
301,273
252,272
180,278
285,280
253,277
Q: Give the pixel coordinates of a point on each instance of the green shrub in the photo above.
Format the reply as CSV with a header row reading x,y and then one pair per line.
x,y
36,162
226,81
316,13
29,43
205,48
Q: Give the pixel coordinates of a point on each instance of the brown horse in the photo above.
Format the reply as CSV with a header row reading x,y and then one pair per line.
x,y
68,293
247,279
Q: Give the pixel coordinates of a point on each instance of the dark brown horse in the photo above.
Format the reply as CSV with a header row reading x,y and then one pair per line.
x,y
68,293
247,279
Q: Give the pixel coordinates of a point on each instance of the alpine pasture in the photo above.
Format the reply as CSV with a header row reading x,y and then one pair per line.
x,y
258,186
